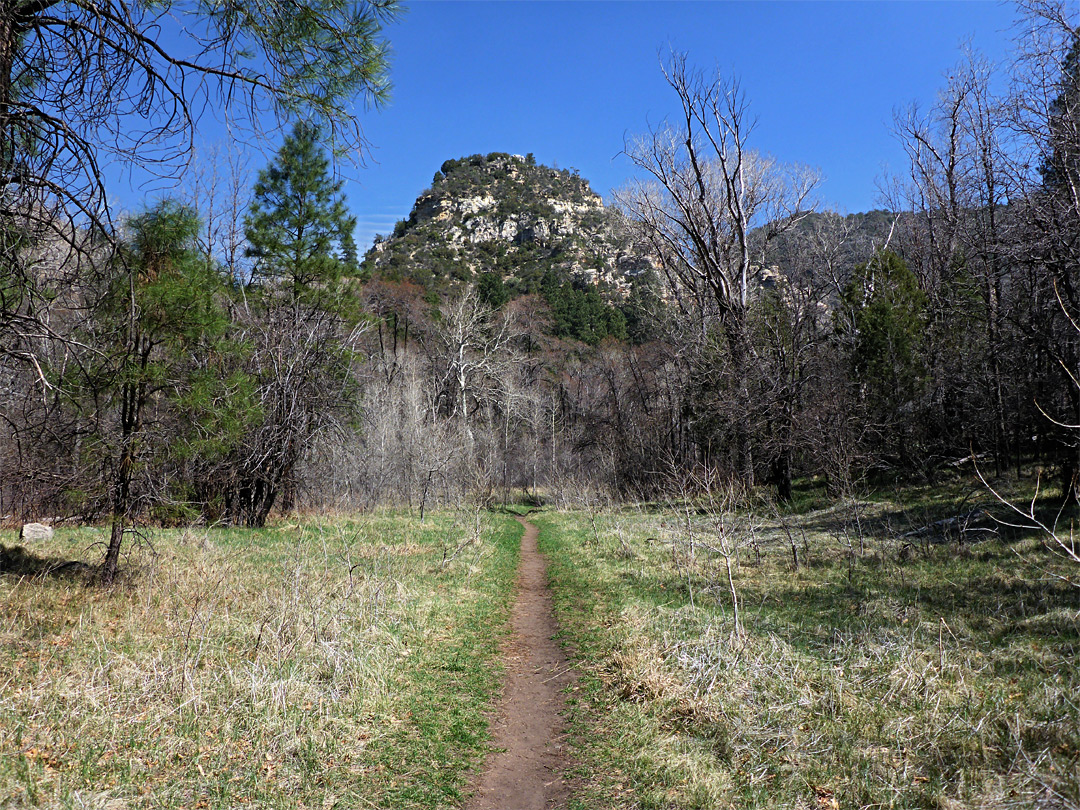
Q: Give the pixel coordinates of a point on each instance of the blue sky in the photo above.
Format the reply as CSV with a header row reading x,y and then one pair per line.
x,y
569,80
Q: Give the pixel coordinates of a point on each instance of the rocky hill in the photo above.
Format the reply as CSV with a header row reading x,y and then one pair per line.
x,y
515,228
505,215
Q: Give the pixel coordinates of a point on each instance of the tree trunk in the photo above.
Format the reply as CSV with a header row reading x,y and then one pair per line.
x,y
261,511
781,475
112,556
1070,467
739,352
121,502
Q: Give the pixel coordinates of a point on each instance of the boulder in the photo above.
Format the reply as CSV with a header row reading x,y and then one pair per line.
x,y
35,531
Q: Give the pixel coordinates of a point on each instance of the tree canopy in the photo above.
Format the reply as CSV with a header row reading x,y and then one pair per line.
x,y
82,82
86,84
299,230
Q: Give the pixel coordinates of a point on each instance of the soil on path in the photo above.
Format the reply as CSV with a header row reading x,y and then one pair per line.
x,y
526,770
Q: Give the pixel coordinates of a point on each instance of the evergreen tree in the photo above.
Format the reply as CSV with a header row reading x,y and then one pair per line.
x,y
84,84
643,310
303,321
1057,228
1061,166
883,323
492,290
299,230
160,325
580,312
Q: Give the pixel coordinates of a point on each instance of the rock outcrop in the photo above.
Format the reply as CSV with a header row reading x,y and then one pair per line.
x,y
507,215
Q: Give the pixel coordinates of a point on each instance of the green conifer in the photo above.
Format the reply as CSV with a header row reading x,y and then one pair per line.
x,y
299,230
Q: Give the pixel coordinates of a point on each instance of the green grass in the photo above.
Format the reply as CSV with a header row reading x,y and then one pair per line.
x,y
884,672
339,663
350,662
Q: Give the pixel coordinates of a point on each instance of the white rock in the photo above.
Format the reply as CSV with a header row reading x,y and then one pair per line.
x,y
35,531
469,206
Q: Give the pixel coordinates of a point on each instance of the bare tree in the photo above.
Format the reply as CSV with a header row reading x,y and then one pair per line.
x,y
472,349
954,239
218,185
709,207
708,191
301,363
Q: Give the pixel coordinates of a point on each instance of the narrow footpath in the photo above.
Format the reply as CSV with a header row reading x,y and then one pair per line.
x,y
525,772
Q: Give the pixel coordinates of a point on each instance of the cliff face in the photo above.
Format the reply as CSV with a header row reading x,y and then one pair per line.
x,y
504,214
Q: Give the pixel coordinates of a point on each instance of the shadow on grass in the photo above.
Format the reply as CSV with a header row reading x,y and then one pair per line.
x,y
961,524
521,506
16,561
996,606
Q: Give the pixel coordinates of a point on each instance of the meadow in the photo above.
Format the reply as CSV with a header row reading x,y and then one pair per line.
x,y
863,653
340,662
874,661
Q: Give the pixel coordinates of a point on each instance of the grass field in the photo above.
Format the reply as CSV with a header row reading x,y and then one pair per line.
x,y
341,663
882,671
854,655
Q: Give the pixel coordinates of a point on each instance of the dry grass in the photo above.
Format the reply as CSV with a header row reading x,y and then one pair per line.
x,y
879,673
289,667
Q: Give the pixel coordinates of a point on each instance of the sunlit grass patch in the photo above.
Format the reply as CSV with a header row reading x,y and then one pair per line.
x,y
345,662
866,670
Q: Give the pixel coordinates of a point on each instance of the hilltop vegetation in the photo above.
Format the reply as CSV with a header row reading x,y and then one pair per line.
x,y
505,214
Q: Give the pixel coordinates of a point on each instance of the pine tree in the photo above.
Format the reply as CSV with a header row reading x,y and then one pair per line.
x,y
303,321
1057,246
160,322
1061,166
883,324
299,230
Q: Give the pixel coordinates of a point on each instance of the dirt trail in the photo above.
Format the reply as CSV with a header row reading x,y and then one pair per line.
x,y
526,771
